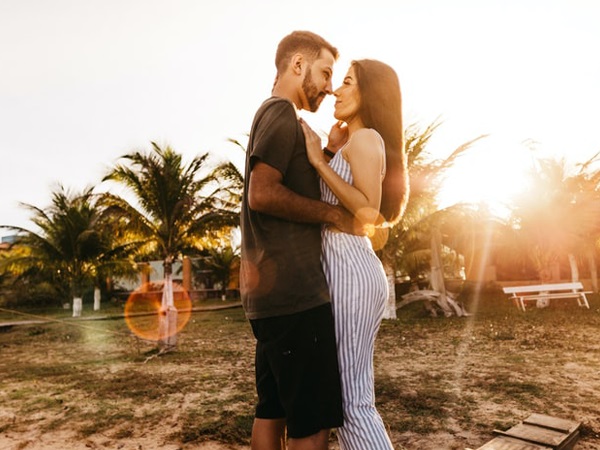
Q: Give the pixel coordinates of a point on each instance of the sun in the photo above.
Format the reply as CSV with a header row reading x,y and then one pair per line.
x,y
489,174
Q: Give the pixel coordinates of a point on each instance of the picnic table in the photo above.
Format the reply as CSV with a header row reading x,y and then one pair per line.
x,y
522,294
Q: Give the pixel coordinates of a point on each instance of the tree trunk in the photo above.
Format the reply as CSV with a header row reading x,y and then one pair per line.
x,y
167,322
97,298
77,306
390,305
187,274
446,300
593,270
574,267
436,275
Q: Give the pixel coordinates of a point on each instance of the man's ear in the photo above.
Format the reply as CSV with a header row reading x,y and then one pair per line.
x,y
297,63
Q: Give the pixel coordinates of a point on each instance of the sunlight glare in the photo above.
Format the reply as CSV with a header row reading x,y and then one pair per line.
x,y
487,174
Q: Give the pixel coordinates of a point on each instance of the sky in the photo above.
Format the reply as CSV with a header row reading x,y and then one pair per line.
x,y
83,82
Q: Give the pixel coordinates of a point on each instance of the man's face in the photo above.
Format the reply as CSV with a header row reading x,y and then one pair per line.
x,y
317,80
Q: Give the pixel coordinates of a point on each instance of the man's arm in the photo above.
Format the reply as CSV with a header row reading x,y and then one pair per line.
x,y
268,195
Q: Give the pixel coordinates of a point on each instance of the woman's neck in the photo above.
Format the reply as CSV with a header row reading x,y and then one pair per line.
x,y
354,125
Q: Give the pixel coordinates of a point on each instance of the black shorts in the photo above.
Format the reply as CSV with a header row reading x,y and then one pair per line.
x,y
297,373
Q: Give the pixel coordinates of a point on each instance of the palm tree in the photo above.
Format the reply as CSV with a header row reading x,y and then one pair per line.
x,y
219,258
408,245
174,206
116,258
221,261
559,216
68,248
586,185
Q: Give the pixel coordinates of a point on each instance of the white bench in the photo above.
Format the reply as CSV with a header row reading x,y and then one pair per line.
x,y
522,294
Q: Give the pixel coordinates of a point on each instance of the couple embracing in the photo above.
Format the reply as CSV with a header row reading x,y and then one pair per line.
x,y
312,287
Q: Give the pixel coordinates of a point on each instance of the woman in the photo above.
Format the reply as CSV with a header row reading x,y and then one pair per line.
x,y
368,177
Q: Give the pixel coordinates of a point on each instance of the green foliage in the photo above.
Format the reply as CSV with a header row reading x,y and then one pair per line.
x,y
173,205
74,249
558,215
64,249
221,261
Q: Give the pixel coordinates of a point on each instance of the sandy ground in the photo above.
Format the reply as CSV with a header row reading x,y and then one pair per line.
x,y
478,376
63,441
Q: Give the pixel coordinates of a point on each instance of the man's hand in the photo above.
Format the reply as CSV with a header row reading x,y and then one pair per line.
x,y
347,223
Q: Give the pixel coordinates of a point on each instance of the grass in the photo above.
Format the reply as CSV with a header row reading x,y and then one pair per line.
x,y
449,380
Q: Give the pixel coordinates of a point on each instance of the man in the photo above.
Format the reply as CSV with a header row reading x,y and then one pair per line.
x,y
284,292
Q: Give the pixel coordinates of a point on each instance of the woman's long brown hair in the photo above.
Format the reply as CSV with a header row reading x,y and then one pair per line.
x,y
381,109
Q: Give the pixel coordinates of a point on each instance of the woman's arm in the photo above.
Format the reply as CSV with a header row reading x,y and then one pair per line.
x,y
268,195
366,156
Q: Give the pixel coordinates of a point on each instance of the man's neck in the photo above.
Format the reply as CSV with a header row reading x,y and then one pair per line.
x,y
282,91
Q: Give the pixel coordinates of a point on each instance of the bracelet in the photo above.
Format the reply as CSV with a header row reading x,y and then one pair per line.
x,y
328,152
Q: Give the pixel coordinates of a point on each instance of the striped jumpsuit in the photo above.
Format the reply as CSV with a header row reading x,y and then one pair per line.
x,y
359,289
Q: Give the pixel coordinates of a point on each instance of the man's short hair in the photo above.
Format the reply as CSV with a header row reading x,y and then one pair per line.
x,y
305,42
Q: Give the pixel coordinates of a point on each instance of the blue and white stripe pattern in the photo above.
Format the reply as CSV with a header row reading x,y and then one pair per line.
x,y
359,289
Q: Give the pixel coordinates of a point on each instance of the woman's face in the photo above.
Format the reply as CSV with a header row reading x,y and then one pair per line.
x,y
347,98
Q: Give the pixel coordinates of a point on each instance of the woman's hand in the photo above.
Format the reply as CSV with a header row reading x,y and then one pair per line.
x,y
314,149
338,136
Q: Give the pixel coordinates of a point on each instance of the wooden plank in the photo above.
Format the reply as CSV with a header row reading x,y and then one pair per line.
x,y
542,287
508,443
570,442
551,295
552,423
535,434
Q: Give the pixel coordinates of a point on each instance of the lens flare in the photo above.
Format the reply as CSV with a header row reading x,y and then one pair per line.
x,y
375,227
255,281
379,237
143,310
249,275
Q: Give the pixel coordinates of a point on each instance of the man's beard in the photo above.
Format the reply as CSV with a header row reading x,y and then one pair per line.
x,y
313,95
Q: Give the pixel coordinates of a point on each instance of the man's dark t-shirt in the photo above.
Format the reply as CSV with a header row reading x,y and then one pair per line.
x,y
281,266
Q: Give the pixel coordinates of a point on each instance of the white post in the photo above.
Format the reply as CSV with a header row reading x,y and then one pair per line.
x,y
97,298
77,306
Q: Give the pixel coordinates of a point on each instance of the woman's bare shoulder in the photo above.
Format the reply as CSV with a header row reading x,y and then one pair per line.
x,y
366,139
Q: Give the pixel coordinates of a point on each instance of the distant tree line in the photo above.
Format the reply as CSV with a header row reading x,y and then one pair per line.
x,y
85,240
